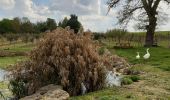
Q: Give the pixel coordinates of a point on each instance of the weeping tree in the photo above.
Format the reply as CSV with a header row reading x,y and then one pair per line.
x,y
147,12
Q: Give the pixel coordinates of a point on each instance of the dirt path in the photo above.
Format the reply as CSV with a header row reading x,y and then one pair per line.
x,y
153,86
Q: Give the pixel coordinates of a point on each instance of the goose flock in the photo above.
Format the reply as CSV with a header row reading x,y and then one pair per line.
x,y
146,56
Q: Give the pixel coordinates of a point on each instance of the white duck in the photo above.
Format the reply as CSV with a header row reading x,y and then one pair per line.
x,y
147,55
137,56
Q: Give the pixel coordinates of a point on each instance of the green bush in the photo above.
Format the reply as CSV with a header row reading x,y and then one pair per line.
x,y
126,81
130,79
17,87
135,78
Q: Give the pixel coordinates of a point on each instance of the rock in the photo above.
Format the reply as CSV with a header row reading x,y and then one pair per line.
x,y
49,92
113,79
114,61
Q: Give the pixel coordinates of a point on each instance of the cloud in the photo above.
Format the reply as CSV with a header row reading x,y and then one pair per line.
x,y
7,4
91,13
79,7
24,8
97,22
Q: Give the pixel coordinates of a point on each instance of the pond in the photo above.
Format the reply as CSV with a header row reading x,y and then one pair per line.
x,y
2,74
113,79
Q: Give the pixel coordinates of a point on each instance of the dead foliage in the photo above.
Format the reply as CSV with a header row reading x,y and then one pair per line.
x,y
61,57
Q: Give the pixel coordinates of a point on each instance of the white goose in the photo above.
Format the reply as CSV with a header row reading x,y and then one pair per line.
x,y
147,55
137,56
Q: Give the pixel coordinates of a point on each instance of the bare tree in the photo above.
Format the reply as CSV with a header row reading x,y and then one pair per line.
x,y
148,14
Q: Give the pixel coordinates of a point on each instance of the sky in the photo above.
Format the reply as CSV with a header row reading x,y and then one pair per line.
x,y
91,13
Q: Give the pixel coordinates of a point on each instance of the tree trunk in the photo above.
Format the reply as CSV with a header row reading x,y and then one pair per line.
x,y
149,40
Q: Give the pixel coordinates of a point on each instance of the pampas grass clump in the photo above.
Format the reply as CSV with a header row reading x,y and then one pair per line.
x,y
61,57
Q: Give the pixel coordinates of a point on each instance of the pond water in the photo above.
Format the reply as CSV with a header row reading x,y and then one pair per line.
x,y
113,79
2,75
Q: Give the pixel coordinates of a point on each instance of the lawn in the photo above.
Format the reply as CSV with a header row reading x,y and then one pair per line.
x,y
160,56
6,61
18,47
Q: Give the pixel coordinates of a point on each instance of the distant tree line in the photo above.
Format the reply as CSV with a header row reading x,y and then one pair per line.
x,y
112,33
24,25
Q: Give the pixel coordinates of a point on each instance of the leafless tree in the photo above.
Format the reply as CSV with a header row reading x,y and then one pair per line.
x,y
147,13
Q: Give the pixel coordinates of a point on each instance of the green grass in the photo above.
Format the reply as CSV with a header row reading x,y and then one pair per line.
x,y
6,61
159,56
113,93
4,90
19,47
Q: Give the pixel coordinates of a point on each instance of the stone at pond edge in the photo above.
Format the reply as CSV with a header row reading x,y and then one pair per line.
x,y
49,92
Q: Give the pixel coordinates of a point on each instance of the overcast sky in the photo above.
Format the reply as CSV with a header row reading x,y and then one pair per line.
x,y
91,13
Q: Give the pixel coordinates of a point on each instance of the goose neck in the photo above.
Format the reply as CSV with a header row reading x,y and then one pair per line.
x,y
147,51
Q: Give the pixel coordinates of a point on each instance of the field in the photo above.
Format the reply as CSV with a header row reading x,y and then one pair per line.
x,y
154,81
19,47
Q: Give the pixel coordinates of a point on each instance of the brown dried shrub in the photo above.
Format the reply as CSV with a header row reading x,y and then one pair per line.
x,y
61,57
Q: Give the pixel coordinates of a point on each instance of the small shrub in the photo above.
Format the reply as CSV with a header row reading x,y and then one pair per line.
x,y
135,78
126,81
130,79
17,87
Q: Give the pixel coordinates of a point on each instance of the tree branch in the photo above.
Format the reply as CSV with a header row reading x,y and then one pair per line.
x,y
128,13
150,2
111,4
155,6
168,1
145,5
